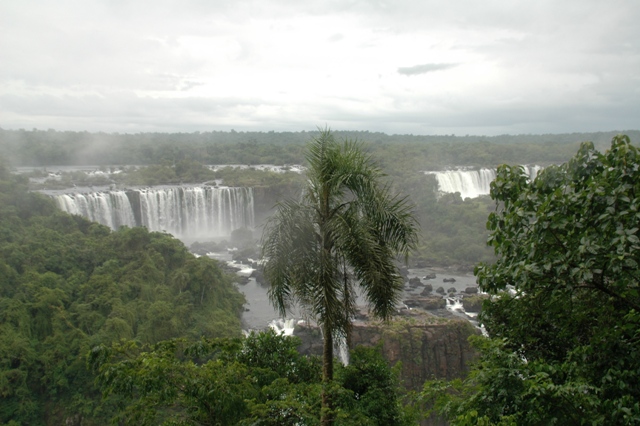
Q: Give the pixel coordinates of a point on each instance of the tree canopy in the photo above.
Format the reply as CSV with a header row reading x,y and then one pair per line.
x,y
67,284
260,380
564,320
133,316
346,230
409,153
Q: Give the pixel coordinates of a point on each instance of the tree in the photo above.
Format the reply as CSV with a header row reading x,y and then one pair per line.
x,y
67,284
260,380
565,341
346,230
174,381
374,392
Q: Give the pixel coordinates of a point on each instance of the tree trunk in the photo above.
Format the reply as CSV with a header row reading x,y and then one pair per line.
x,y
326,415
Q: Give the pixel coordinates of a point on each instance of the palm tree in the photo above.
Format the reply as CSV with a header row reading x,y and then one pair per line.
x,y
347,229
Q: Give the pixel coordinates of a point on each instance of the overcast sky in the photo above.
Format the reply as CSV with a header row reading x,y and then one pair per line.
x,y
397,66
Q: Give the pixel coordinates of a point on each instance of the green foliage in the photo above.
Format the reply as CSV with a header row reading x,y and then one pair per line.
x,y
398,152
452,230
67,284
565,341
184,171
506,389
174,382
373,390
234,176
346,217
261,380
278,353
346,230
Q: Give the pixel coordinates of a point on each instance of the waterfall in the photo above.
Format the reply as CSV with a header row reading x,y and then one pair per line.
x,y
469,184
343,350
112,209
283,326
472,183
189,213
454,304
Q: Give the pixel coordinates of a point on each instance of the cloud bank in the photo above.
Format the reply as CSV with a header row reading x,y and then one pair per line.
x,y
482,68
423,69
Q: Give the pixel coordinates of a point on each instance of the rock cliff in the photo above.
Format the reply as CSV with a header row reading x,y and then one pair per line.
x,y
427,346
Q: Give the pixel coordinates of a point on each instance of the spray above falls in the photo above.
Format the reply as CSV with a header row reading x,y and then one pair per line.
x,y
188,213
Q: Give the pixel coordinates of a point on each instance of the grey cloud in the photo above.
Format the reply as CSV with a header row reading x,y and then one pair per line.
x,y
187,85
424,68
125,112
428,116
110,50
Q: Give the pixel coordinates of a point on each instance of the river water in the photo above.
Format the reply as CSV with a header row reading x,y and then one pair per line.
x,y
260,314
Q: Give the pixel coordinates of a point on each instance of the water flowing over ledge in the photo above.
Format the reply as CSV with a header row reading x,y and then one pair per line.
x,y
472,183
187,212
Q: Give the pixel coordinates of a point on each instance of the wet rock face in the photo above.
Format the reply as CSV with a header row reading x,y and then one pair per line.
x,y
426,351
473,303
415,281
427,303
428,347
310,339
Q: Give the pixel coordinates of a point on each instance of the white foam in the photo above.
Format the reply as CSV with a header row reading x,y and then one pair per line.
x,y
284,326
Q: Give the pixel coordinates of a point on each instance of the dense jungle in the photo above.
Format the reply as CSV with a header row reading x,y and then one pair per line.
x,y
452,228
126,325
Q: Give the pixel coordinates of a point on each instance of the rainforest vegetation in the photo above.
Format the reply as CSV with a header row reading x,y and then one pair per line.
x,y
345,233
397,152
561,269
452,229
259,380
159,328
564,322
67,285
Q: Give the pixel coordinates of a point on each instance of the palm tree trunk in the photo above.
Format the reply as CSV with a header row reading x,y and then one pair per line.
x,y
326,415
347,303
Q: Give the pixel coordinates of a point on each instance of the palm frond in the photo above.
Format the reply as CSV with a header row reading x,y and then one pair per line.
x,y
288,248
346,229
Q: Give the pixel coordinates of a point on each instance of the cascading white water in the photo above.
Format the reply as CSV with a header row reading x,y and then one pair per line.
x,y
469,184
287,328
284,326
454,304
191,211
112,208
472,183
188,213
343,351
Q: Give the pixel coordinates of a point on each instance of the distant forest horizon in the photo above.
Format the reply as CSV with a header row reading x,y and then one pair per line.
x,y
54,147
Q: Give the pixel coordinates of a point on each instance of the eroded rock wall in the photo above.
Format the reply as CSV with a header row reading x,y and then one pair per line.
x,y
428,347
